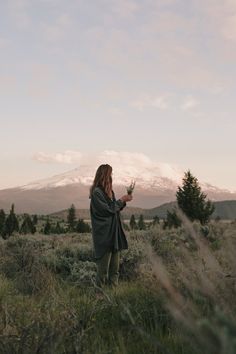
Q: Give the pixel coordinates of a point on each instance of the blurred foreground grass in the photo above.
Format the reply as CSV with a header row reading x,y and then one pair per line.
x,y
176,294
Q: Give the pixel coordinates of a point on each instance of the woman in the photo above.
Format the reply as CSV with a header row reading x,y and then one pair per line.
x,y
108,235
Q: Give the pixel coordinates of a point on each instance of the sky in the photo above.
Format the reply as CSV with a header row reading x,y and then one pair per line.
x,y
149,79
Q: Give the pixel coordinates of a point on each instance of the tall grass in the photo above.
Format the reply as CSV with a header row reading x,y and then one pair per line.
x,y
201,290
176,294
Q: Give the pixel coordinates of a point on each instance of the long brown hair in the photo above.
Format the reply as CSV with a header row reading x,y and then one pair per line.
x,y
103,179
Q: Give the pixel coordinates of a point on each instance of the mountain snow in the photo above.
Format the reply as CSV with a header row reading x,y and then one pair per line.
x,y
160,176
76,176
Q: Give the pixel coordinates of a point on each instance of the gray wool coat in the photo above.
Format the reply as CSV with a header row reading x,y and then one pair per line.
x,y
107,231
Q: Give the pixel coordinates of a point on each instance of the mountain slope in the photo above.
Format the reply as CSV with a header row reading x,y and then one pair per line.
x,y
154,187
226,210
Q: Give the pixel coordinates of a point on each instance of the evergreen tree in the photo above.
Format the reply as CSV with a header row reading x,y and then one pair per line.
x,y
27,226
11,223
125,226
82,227
217,218
35,219
192,201
172,220
47,227
141,223
132,223
2,221
58,228
71,218
156,220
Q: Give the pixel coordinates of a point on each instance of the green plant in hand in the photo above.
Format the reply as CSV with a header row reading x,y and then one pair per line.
x,y
130,188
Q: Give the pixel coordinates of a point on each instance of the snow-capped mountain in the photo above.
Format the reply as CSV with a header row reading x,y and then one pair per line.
x,y
155,185
77,176
163,176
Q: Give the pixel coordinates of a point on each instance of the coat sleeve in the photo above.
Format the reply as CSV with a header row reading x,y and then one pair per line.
x,y
103,208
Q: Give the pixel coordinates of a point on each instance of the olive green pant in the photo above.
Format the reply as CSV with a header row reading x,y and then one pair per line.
x,y
108,269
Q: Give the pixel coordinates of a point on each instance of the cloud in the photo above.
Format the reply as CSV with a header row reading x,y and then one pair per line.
x,y
124,163
163,102
67,157
136,164
57,30
189,103
19,11
124,8
158,53
159,102
222,17
229,28
114,111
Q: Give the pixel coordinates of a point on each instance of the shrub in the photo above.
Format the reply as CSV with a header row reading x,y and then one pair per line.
x,y
27,226
172,220
21,262
83,273
131,260
82,227
68,261
11,224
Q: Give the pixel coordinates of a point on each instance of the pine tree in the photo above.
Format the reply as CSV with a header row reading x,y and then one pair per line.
x,y
82,227
58,229
35,219
11,223
132,223
27,226
2,221
71,218
172,220
217,218
47,227
192,201
141,223
125,226
156,220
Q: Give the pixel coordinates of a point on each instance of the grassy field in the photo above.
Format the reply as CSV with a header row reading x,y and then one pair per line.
x,y
176,294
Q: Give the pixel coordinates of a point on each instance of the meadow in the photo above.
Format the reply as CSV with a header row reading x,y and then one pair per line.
x,y
176,293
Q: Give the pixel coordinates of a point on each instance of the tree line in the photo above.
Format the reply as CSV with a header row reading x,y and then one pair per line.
x,y
72,225
190,200
27,224
10,223
140,224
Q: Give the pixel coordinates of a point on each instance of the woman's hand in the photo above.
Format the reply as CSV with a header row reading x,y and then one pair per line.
x,y
127,198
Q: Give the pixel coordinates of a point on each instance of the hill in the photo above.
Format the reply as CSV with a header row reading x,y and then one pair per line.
x,y
226,210
155,186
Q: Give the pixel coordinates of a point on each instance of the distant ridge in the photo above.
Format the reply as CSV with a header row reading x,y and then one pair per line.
x,y
155,186
226,210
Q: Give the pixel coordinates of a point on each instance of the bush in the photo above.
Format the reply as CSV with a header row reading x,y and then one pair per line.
x,y
172,220
82,227
83,273
74,263
21,262
131,260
